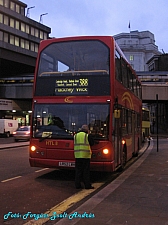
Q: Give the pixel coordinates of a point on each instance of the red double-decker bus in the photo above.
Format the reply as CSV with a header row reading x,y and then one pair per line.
x,y
84,80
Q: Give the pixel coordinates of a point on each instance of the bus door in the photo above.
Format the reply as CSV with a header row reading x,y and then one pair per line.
x,y
118,137
133,133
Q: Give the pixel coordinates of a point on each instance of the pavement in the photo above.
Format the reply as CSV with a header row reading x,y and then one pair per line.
x,y
139,196
15,144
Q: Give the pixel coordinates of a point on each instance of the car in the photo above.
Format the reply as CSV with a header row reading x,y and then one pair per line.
x,y
22,133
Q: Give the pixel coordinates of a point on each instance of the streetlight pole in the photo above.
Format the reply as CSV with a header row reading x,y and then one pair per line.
x,y
28,9
41,17
157,119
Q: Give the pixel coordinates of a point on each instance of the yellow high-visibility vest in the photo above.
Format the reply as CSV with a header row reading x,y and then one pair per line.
x,y
81,145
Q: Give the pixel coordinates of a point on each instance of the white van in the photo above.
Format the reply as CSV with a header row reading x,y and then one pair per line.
x,y
7,126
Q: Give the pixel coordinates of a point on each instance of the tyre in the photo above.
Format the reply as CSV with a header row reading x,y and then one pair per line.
x,y
124,159
7,134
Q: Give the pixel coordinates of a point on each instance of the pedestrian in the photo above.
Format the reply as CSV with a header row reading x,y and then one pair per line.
x,y
148,139
82,152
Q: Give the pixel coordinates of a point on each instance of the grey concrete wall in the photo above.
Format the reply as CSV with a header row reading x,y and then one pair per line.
x,y
149,92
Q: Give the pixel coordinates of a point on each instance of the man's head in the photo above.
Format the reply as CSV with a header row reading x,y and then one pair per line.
x,y
84,128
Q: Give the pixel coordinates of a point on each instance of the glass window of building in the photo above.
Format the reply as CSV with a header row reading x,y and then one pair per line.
x,y
12,6
23,27
1,2
36,33
132,65
6,20
17,24
41,34
36,47
32,46
5,37
27,29
27,45
45,36
32,31
131,57
6,3
16,41
1,18
22,43
1,36
12,40
17,8
12,23
22,10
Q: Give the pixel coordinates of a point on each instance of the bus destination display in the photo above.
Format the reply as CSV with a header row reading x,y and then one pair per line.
x,y
72,86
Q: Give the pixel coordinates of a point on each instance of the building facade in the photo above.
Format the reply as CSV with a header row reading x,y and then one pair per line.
x,y
158,63
158,75
19,41
138,48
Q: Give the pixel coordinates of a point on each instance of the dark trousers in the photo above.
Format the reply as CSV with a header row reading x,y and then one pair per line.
x,y
82,172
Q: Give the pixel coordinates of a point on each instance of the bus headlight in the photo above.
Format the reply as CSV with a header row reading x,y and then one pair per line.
x,y
105,151
123,142
33,148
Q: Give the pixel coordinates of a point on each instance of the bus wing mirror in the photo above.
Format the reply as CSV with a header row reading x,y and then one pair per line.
x,y
116,113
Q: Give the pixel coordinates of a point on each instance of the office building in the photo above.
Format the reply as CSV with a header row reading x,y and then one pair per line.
x,y
138,48
19,40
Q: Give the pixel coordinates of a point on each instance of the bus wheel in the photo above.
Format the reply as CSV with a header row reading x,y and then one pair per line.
x,y
135,154
138,148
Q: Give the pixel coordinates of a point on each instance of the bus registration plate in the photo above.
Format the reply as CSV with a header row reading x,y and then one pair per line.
x,y
67,164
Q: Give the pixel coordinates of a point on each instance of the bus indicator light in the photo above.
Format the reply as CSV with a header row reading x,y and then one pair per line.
x,y
105,151
123,142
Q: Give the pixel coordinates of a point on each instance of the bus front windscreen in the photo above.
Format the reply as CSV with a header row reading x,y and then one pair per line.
x,y
74,68
62,121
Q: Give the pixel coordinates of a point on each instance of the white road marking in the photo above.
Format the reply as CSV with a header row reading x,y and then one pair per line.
x,y
13,178
37,171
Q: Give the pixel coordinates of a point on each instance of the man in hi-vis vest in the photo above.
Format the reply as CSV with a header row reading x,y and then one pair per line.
x,y
82,152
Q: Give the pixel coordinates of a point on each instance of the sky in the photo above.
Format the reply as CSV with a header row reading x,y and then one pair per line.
x,y
103,17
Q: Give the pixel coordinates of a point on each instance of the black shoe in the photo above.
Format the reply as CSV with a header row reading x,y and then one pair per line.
x,y
91,187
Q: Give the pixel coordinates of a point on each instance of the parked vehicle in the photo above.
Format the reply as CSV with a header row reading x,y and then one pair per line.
x,y
7,126
22,133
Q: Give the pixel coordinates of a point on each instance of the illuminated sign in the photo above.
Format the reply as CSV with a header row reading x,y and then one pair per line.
x,y
77,85
71,86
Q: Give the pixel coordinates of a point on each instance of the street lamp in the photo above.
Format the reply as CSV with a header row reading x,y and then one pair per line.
x,y
28,9
41,17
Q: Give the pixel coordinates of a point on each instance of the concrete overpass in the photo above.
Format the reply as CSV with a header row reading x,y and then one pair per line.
x,y
149,92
